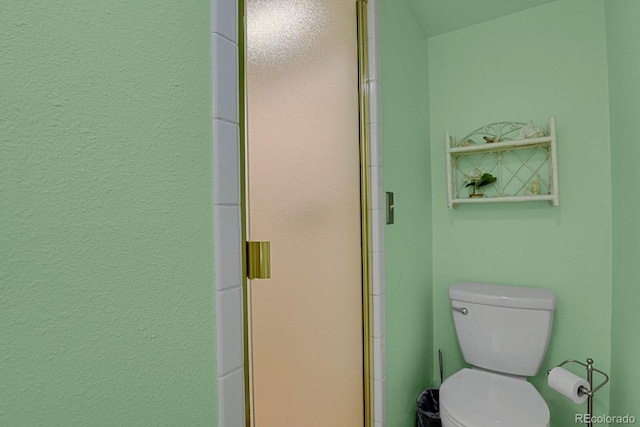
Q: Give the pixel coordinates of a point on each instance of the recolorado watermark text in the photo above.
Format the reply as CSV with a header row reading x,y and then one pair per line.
x,y
605,419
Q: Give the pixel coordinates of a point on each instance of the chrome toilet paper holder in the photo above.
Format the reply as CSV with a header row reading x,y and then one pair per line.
x,y
591,391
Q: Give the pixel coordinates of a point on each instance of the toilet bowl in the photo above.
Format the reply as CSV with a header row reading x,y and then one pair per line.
x,y
503,333
476,398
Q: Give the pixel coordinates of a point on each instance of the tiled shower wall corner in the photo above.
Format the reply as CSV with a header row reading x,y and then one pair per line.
x,y
377,208
226,197
226,211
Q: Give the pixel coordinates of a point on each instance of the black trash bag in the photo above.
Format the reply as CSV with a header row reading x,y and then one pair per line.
x,y
428,408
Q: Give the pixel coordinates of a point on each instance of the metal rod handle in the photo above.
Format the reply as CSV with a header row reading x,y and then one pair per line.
x,y
462,310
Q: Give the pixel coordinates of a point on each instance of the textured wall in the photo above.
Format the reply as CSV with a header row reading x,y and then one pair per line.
x,y
549,60
407,242
623,34
106,272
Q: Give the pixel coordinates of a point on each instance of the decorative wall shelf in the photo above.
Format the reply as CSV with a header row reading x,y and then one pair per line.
x,y
523,158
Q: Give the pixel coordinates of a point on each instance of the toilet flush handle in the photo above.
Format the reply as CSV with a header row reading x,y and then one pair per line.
x,y
460,310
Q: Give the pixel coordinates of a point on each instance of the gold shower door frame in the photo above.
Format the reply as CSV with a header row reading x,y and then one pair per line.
x,y
365,206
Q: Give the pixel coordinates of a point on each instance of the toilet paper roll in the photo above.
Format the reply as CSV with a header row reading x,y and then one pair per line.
x,y
567,384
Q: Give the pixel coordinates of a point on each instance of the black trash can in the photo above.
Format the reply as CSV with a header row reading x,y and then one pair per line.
x,y
428,408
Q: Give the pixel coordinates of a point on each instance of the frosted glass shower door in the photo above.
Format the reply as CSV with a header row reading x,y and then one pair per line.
x,y
303,195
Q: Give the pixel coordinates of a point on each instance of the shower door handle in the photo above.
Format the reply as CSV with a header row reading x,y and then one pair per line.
x,y
460,310
258,260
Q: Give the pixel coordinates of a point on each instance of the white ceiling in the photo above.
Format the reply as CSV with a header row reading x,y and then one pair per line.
x,y
442,16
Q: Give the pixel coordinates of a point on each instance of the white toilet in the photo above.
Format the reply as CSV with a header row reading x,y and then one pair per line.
x,y
503,332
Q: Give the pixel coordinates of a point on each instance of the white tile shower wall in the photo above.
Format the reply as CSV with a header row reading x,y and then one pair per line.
x,y
379,359
378,273
374,59
224,18
376,145
225,96
374,108
380,399
373,20
379,330
226,157
227,235
226,211
231,413
375,175
227,214
378,217
229,329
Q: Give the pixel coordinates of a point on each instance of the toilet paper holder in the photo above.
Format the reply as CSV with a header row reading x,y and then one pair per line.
x,y
591,391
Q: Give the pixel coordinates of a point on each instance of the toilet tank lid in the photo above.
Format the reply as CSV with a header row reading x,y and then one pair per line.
x,y
503,296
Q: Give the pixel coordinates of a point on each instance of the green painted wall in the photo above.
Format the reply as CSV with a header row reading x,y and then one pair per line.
x,y
545,61
106,272
407,161
623,49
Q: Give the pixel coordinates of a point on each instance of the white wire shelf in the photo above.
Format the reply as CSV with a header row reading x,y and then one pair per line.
x,y
526,170
498,146
499,199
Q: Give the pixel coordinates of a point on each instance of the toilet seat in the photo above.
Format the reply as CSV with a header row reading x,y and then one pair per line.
x,y
476,398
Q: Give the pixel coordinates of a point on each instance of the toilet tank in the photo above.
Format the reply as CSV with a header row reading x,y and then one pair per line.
x,y
505,328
